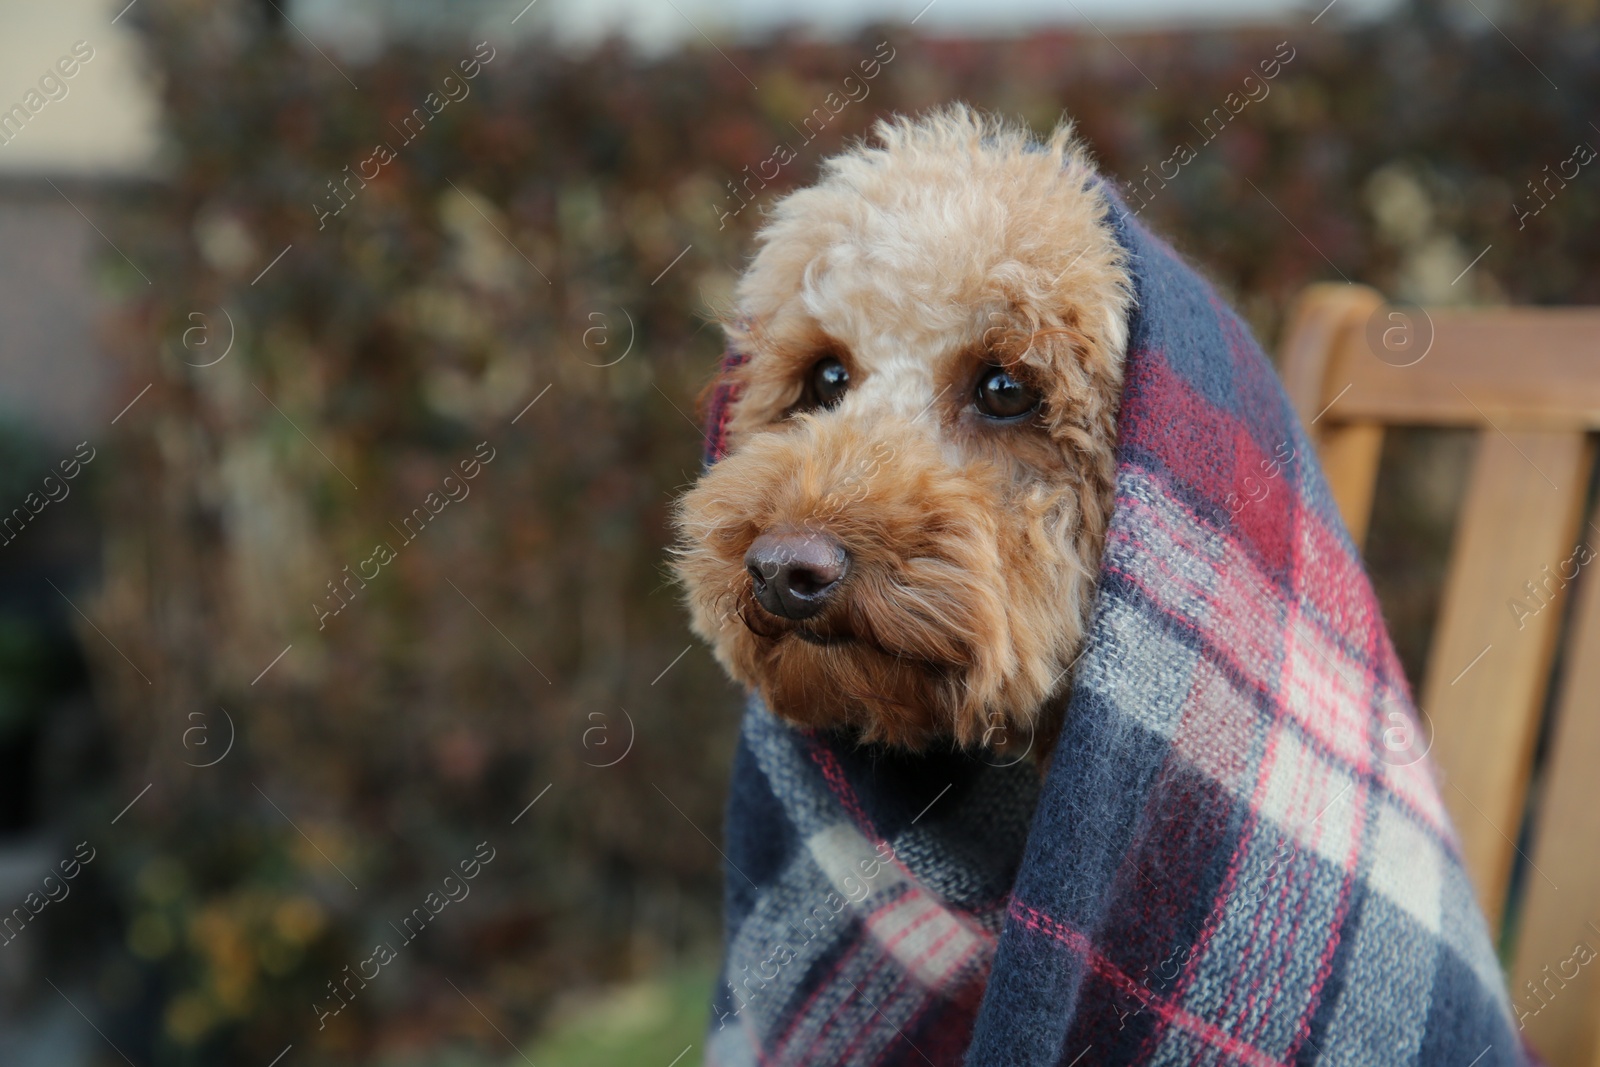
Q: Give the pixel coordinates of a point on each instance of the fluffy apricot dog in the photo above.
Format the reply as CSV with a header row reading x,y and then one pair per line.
x,y
903,535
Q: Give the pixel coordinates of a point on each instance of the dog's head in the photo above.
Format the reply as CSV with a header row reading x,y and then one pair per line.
x,y
904,532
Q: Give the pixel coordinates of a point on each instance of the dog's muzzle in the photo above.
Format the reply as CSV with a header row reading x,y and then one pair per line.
x,y
795,575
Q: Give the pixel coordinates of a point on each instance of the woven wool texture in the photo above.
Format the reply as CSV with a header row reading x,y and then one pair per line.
x,y
1226,863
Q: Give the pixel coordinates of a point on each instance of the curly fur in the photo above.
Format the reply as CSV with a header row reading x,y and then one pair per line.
x,y
953,242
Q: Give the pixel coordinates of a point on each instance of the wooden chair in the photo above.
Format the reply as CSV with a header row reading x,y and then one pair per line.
x,y
1528,382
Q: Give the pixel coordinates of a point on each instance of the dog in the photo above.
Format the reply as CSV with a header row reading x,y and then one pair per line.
x,y
902,537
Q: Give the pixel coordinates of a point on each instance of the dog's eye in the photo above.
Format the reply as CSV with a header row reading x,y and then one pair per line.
x,y
1001,396
829,381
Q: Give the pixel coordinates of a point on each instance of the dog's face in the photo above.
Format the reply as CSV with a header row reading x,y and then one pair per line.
x,y
904,531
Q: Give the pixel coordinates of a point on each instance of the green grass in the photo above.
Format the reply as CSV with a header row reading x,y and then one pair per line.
x,y
643,1024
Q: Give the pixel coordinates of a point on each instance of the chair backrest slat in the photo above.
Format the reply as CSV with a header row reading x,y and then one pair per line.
x,y
1555,986
1349,453
1533,367
1489,663
1327,320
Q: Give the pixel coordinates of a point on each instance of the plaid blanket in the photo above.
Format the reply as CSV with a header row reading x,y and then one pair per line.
x,y
1238,855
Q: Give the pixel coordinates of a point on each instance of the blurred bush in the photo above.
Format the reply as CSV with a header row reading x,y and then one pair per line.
x,y
566,211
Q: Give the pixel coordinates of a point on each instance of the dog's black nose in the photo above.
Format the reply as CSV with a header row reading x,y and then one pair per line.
x,y
796,574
